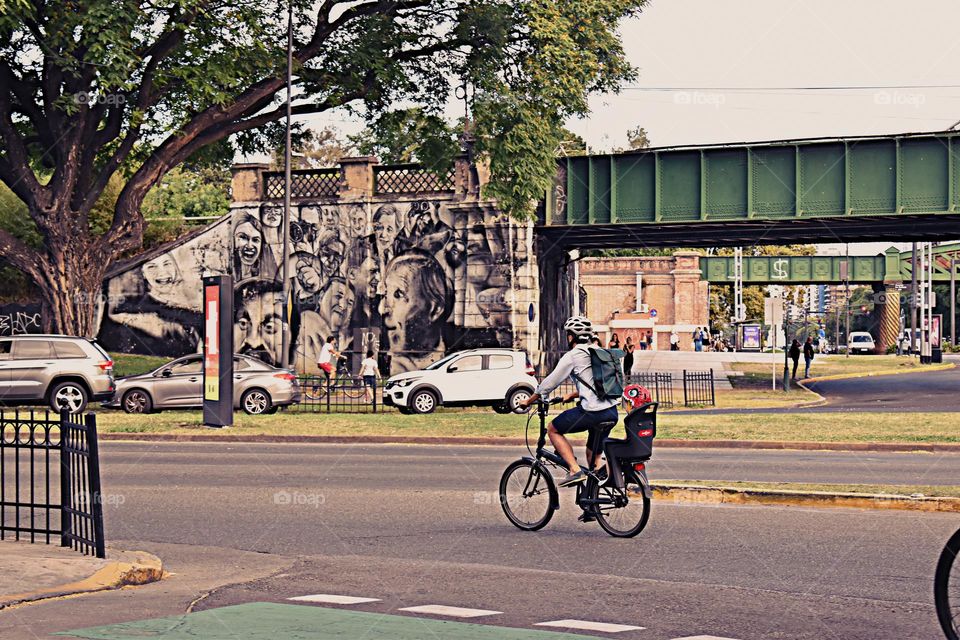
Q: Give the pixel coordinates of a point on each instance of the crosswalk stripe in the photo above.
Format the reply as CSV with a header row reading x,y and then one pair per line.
x,y
455,612
586,625
329,598
703,638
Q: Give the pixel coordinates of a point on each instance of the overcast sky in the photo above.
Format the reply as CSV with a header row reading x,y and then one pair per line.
x,y
774,50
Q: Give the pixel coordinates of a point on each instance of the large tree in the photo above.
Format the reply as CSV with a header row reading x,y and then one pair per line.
x,y
92,89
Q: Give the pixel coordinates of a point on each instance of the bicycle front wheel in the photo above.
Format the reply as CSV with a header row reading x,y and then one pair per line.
x,y
621,513
946,588
315,390
526,495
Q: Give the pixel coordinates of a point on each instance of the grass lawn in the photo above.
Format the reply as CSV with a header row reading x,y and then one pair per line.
x,y
125,364
817,427
752,397
882,489
828,365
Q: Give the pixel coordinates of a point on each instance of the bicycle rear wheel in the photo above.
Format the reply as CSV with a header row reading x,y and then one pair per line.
x,y
352,387
526,495
622,514
946,588
315,389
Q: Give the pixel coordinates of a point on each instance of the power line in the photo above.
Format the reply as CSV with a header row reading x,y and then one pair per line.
x,y
814,88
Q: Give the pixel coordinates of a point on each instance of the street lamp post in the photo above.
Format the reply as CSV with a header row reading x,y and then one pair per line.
x,y
285,341
953,301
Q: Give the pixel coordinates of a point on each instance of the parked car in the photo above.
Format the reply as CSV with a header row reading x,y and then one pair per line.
x,y
861,342
258,387
498,378
63,372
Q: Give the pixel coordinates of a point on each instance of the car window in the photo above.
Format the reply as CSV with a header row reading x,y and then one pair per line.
x,y
66,349
469,363
501,362
29,349
442,361
239,364
192,365
862,338
4,349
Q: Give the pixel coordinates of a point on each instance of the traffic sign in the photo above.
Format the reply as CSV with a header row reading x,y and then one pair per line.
x,y
653,313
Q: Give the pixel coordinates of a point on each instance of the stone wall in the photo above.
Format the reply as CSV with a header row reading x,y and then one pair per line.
x,y
409,274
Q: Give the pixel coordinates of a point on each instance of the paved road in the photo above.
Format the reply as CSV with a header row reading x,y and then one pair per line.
x,y
417,526
935,391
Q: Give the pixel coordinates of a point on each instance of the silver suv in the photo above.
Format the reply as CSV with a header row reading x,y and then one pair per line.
x,y
62,371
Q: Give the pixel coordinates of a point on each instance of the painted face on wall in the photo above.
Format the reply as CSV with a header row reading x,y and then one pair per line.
x,y
330,218
358,222
331,257
272,216
414,303
162,275
258,330
247,243
337,303
385,226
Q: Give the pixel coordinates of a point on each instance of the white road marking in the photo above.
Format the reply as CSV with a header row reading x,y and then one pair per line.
x,y
456,612
333,599
704,638
586,625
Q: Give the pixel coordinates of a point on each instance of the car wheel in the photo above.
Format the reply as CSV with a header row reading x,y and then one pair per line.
x,y
255,402
423,401
518,396
137,401
69,396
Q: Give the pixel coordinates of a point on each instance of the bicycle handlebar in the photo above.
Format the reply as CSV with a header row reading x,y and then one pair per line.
x,y
542,403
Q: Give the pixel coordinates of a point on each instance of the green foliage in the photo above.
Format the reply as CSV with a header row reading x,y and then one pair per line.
x,y
637,138
183,198
409,135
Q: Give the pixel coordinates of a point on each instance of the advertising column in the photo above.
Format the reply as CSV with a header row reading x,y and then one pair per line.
x,y
218,351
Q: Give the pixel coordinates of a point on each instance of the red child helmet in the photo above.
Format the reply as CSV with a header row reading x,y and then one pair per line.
x,y
636,395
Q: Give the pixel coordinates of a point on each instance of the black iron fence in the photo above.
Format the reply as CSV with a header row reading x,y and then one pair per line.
x,y
698,388
345,394
660,385
50,480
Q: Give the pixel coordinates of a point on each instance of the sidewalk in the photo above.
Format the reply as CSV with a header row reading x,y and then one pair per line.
x,y
31,572
675,362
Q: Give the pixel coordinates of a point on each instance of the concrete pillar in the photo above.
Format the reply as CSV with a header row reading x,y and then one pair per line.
x,y
247,182
887,302
356,178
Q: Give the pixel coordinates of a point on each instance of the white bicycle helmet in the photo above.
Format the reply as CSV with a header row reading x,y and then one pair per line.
x,y
580,327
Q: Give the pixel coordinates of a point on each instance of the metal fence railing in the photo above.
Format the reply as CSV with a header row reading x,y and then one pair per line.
x,y
660,385
345,394
50,480
698,388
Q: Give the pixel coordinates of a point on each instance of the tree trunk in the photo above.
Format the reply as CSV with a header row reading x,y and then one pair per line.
x,y
71,284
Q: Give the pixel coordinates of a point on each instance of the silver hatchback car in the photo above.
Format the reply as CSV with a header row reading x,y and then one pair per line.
x,y
62,371
258,387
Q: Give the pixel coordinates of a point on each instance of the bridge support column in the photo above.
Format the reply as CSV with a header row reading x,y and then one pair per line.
x,y
887,307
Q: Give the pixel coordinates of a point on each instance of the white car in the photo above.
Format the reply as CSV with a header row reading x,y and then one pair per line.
x,y
499,378
861,342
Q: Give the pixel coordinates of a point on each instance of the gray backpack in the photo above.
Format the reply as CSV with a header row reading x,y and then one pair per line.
x,y
607,374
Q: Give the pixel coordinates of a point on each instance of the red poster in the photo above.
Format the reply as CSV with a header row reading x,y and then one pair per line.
x,y
211,346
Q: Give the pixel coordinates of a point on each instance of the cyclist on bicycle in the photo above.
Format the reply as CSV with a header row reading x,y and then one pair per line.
x,y
326,358
589,413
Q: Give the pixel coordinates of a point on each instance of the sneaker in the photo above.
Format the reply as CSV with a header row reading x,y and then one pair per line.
x,y
573,478
586,516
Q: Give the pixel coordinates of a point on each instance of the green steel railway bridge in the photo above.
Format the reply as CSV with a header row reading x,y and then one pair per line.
x,y
903,187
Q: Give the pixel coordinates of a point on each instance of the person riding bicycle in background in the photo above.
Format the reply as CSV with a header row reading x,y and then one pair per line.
x,y
326,358
589,413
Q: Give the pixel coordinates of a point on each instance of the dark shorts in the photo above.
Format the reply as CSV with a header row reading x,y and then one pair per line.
x,y
577,420
370,381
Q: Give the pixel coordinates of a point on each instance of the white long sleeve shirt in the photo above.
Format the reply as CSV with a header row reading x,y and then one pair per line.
x,y
576,361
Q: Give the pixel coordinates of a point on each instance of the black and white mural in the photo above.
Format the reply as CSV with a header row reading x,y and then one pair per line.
x,y
409,279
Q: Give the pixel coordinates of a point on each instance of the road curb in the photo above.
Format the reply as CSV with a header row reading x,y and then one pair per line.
x,y
875,374
683,494
927,447
133,568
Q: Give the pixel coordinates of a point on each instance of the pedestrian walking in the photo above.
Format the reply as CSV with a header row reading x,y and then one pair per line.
x,y
808,352
674,341
697,339
795,356
650,340
628,348
369,373
822,339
